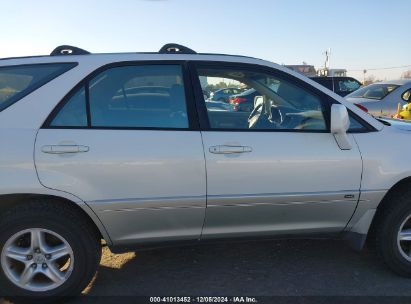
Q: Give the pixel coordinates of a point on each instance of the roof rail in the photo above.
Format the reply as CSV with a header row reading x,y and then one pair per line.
x,y
174,48
68,50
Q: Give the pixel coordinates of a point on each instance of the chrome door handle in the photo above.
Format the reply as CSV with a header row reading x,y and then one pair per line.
x,y
230,149
63,149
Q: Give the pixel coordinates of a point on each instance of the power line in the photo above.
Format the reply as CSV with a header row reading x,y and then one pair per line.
x,y
378,69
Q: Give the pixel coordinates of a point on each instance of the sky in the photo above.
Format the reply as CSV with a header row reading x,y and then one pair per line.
x,y
362,34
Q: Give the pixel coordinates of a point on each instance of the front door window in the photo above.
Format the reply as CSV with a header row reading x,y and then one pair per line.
x,y
265,103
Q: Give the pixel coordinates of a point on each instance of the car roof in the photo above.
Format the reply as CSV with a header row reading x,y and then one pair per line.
x,y
396,81
332,77
78,54
246,92
90,62
116,53
103,58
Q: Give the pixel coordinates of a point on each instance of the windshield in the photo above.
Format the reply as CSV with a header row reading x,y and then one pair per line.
x,y
374,91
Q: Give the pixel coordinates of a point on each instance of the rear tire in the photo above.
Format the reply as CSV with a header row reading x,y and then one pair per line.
x,y
392,242
56,226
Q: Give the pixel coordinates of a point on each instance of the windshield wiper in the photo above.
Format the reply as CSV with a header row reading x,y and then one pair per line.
x,y
384,122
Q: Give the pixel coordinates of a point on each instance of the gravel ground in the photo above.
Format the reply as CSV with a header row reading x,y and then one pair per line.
x,y
275,268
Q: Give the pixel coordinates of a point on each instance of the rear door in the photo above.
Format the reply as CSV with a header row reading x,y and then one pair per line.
x,y
125,141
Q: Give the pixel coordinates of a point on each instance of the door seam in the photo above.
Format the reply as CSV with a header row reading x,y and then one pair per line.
x,y
360,186
206,187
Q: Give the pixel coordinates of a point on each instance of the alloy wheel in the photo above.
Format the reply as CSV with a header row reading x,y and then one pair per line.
x,y
404,239
37,260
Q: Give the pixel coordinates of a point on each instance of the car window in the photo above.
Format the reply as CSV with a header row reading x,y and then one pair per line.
x,y
19,81
150,96
73,113
406,96
375,91
356,125
143,96
347,85
270,102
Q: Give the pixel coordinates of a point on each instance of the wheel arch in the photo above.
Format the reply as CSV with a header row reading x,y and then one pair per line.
x,y
400,186
8,201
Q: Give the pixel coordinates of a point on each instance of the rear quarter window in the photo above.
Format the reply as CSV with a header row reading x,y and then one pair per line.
x,y
19,81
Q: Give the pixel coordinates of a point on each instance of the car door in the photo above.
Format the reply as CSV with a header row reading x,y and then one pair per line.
x,y
277,169
125,141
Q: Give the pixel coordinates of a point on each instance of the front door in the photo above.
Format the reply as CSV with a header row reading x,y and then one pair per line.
x,y
123,142
276,169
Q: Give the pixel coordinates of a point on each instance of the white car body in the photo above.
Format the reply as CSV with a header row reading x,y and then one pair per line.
x,y
146,187
86,182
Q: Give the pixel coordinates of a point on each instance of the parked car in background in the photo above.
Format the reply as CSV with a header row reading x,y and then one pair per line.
x,y
244,102
405,111
224,94
206,94
124,148
401,124
382,98
218,106
339,85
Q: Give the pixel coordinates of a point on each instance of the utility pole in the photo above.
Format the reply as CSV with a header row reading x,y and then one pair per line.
x,y
327,54
327,58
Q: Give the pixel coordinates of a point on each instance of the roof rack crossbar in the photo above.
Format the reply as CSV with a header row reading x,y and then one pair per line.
x,y
68,50
174,48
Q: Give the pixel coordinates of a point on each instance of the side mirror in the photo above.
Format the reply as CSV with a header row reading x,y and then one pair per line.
x,y
340,122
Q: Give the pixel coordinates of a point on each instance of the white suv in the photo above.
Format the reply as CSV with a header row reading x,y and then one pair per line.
x,y
125,148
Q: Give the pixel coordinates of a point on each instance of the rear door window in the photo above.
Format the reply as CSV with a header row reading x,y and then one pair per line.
x,y
135,96
74,112
147,96
19,81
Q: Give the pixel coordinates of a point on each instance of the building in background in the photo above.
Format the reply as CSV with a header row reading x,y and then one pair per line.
x,y
332,72
305,69
310,71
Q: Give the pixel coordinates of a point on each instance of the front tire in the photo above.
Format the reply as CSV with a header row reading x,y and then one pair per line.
x,y
47,249
393,234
